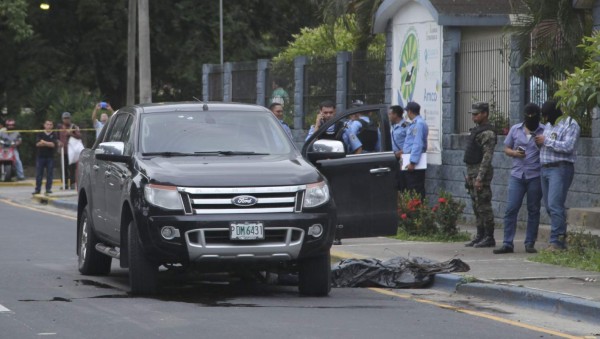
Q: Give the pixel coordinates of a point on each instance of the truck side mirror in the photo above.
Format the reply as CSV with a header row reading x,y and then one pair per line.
x,y
326,149
111,151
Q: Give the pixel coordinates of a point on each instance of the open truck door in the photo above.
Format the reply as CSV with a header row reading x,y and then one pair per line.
x,y
363,186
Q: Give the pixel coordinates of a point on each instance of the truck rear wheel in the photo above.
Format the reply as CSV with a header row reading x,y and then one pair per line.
x,y
314,276
143,273
90,261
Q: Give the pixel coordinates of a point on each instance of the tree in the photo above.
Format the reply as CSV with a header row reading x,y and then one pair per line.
x,y
325,41
579,93
84,43
549,32
12,18
360,22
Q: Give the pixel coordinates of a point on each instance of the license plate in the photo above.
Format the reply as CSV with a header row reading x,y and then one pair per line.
x,y
247,231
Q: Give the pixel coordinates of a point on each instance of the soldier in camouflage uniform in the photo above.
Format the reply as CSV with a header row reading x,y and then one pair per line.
x,y
478,157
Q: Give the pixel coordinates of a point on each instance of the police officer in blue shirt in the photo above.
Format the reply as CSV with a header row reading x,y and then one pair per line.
x,y
352,128
415,144
277,110
398,135
341,131
326,113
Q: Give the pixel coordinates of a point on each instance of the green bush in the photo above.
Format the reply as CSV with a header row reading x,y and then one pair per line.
x,y
447,211
417,218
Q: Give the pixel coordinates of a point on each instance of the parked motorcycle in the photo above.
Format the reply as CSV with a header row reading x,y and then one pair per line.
x,y
7,159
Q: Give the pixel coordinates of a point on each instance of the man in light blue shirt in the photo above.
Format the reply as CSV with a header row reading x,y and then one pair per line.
x,y
415,144
524,179
326,113
99,124
277,110
557,156
342,131
398,135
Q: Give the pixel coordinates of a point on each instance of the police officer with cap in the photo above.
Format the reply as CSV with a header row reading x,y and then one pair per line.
x,y
478,158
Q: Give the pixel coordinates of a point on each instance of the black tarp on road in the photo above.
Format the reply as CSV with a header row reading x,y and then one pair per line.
x,y
398,272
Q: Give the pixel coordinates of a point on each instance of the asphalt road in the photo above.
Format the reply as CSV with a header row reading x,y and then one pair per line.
x,y
42,294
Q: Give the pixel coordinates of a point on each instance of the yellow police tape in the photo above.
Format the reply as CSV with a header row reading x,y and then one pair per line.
x,y
43,130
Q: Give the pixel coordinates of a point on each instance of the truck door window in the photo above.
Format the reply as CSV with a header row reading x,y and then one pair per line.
x,y
116,132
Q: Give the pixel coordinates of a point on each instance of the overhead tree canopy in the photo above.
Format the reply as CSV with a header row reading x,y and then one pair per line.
x,y
548,33
83,43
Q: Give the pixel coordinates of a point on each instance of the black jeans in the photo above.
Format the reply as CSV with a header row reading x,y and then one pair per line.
x,y
401,180
41,164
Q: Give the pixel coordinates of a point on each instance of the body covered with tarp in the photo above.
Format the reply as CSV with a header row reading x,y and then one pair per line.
x,y
397,272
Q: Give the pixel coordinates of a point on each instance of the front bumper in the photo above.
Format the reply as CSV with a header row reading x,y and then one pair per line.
x,y
206,237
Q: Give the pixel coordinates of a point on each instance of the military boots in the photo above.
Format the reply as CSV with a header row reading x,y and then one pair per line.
x,y
475,240
487,241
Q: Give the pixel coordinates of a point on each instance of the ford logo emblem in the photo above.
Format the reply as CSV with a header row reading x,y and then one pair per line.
x,y
244,200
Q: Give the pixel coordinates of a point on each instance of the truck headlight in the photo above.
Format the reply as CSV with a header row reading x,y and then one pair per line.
x,y
163,196
316,194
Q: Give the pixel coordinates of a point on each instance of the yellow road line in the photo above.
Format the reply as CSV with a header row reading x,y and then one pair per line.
x,y
475,313
346,255
37,209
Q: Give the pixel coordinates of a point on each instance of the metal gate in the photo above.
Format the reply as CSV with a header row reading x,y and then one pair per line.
x,y
483,74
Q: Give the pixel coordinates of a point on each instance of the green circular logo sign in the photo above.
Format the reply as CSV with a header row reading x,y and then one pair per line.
x,y
409,65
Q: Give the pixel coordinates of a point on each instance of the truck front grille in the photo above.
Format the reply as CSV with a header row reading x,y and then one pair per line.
x,y
280,243
221,200
220,237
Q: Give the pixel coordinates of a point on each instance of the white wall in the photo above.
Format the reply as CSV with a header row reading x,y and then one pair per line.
x,y
417,69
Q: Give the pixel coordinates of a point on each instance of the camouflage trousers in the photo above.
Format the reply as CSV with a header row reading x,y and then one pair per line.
x,y
482,208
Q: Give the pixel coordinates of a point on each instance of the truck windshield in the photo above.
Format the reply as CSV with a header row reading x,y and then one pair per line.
x,y
221,133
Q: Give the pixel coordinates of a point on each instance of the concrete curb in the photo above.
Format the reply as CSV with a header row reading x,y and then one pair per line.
x,y
27,183
551,302
556,303
56,201
65,204
447,282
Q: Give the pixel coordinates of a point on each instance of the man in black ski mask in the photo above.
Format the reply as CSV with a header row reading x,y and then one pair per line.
x,y
558,153
531,112
524,179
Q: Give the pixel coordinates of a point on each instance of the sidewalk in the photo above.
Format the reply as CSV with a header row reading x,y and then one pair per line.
x,y
507,278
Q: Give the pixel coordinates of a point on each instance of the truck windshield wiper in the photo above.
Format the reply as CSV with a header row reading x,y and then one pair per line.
x,y
169,154
229,153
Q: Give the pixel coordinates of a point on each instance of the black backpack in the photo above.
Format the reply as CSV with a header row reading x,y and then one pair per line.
x,y
368,135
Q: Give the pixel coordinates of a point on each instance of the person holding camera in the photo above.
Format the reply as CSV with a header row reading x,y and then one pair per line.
x,y
525,178
99,124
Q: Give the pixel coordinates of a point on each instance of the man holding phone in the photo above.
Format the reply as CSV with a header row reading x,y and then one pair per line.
x,y
98,124
326,113
524,179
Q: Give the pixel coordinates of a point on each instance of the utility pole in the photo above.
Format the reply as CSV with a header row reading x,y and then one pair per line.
x,y
144,52
132,32
221,29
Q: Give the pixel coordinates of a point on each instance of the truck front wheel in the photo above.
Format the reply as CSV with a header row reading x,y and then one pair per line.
x,y
143,273
314,275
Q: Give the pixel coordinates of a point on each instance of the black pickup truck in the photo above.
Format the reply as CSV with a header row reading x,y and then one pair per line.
x,y
221,187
